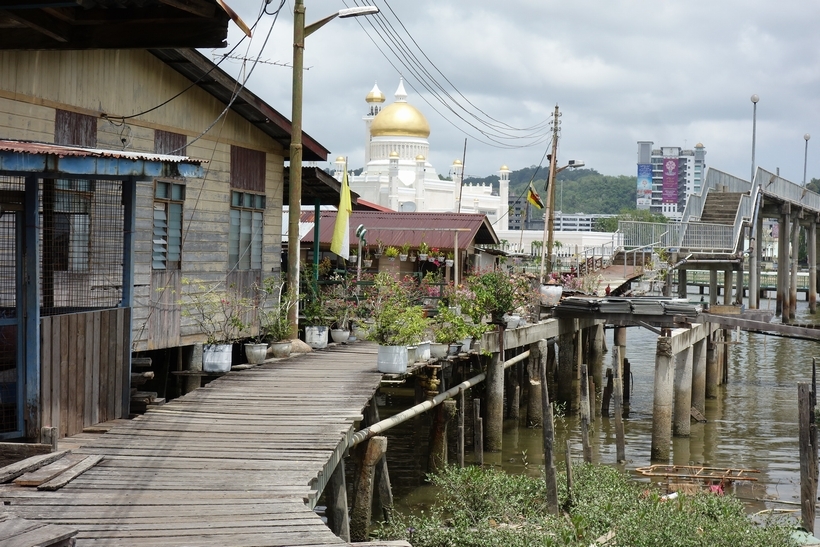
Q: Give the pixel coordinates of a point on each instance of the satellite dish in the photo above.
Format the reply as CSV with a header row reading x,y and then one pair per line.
x,y
408,207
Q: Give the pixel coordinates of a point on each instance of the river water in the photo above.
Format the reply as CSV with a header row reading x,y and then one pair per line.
x,y
752,424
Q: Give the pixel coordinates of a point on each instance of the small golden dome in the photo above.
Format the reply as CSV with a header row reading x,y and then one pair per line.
x,y
420,158
400,119
375,95
504,168
394,154
699,145
456,162
340,159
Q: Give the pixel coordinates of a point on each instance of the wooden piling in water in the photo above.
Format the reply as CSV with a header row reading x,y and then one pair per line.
x,y
566,365
783,222
337,511
442,415
478,433
372,450
808,454
494,413
536,364
627,382
570,479
585,414
794,264
617,388
812,250
548,434
662,405
596,360
461,409
606,396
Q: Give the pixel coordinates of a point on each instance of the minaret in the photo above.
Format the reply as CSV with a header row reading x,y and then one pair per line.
x,y
420,162
504,198
457,171
340,168
393,185
375,99
401,94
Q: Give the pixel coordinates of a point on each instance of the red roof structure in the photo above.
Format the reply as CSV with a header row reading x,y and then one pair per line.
x,y
392,228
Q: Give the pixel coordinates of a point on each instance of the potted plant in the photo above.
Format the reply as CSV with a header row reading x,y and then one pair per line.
x,y
338,308
218,314
449,329
379,248
367,258
274,325
496,293
404,251
391,253
432,256
397,323
353,255
412,257
450,258
424,250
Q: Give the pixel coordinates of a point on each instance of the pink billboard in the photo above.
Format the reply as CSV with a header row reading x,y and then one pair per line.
x,y
670,180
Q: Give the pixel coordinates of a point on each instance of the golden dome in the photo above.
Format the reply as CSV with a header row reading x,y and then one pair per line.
x,y
394,154
400,119
504,168
420,157
375,95
456,162
699,145
340,159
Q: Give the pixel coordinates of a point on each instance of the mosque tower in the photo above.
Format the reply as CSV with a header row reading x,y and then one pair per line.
x,y
504,198
375,99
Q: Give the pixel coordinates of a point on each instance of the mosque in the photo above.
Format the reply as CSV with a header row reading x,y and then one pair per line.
x,y
398,176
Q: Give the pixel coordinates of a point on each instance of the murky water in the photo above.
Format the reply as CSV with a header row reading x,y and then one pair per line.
x,y
751,424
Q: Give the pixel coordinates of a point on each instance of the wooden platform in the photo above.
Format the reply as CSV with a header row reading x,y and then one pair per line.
x,y
238,462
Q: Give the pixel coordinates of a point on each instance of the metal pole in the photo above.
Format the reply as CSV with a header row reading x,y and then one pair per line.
x,y
553,160
295,183
755,98
805,156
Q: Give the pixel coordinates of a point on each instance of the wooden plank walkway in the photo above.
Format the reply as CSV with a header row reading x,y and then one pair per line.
x,y
239,462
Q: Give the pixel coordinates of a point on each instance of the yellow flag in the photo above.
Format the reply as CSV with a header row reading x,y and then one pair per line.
x,y
340,244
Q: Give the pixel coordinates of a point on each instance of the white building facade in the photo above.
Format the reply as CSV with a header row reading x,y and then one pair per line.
x,y
397,174
667,176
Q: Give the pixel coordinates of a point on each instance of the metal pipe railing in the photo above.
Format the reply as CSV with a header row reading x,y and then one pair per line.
x,y
414,411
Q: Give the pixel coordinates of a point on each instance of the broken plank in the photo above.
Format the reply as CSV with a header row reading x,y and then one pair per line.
x,y
14,470
48,472
69,475
17,532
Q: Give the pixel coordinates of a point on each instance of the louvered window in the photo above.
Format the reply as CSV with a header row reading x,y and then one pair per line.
x,y
245,236
166,244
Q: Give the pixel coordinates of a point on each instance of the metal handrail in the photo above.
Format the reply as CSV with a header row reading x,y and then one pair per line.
x,y
412,412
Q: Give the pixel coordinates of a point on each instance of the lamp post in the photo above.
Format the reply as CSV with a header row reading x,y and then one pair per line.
x,y
755,98
805,156
300,32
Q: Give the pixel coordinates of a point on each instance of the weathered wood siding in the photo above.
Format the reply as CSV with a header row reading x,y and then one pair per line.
x,y
35,84
83,358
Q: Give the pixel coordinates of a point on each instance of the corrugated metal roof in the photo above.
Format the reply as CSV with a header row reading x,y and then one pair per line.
x,y
60,150
436,229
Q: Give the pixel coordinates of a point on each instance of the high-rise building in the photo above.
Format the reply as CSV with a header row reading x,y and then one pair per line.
x,y
667,176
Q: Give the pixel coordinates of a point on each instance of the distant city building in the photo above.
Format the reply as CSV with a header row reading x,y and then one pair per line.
x,y
667,176
520,215
397,174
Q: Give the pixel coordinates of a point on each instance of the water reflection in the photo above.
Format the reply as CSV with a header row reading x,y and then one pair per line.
x,y
751,424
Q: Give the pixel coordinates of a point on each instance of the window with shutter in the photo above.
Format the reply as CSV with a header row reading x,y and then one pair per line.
x,y
166,237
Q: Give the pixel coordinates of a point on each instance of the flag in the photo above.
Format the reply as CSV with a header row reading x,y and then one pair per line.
x,y
534,198
340,244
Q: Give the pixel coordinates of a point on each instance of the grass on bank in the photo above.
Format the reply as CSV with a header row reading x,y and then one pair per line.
x,y
487,507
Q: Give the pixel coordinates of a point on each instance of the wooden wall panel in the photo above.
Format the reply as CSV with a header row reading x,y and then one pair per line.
x,y
84,355
164,312
247,169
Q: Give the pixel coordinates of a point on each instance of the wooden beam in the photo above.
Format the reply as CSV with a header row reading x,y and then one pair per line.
x,y
41,22
197,7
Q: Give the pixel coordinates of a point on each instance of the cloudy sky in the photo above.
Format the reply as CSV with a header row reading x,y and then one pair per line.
x,y
675,73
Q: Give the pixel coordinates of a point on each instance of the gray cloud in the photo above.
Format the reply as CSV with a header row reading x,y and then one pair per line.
x,y
621,71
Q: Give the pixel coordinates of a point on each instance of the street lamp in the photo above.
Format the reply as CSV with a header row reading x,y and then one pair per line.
x,y
755,98
300,32
805,156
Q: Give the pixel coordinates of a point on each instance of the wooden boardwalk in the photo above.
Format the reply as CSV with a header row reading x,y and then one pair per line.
x,y
239,462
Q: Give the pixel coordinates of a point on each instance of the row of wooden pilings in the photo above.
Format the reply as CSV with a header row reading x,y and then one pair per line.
x,y
556,353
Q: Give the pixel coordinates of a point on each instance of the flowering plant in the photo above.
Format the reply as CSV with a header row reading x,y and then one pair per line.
x,y
218,314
